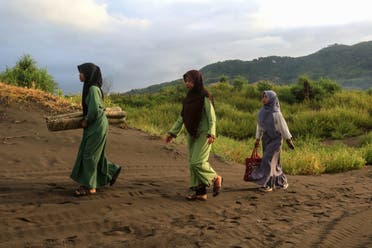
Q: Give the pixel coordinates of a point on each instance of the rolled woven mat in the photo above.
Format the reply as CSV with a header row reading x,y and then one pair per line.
x,y
115,116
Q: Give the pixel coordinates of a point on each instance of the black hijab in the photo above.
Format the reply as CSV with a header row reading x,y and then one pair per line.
x,y
193,104
92,75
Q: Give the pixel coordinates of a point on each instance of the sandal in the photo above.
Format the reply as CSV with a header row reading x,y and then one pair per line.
x,y
82,191
266,188
194,196
115,176
217,185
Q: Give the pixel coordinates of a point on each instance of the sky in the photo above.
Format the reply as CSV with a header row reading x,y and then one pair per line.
x,y
138,43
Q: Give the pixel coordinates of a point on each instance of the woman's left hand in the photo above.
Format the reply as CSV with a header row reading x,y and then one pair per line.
x,y
290,143
84,123
211,139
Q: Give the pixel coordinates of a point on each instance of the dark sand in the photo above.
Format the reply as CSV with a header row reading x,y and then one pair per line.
x,y
147,208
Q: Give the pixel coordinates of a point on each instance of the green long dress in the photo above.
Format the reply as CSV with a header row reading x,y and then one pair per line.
x,y
92,169
201,172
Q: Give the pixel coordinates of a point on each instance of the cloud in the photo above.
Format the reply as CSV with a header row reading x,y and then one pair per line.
x,y
82,15
142,42
294,13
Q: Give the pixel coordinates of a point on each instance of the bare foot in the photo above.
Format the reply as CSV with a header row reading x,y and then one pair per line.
x,y
217,185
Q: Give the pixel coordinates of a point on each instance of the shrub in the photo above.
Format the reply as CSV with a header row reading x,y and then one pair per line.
x,y
369,91
264,85
306,89
366,139
338,122
311,157
302,162
26,74
232,150
339,158
285,95
303,89
239,82
329,86
367,154
250,91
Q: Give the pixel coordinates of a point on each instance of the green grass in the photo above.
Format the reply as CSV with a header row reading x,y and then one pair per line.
x,y
336,116
367,154
344,114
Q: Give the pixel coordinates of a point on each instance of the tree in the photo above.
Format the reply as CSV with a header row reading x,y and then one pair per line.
x,y
330,86
224,79
264,85
238,82
303,89
26,74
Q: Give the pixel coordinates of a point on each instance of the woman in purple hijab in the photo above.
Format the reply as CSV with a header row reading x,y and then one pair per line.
x,y
271,128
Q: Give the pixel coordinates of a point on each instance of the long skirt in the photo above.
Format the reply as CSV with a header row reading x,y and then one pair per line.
x,y
92,169
201,172
270,172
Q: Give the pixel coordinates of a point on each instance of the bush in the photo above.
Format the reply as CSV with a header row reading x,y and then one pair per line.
x,y
338,122
285,95
369,91
366,139
340,158
26,74
367,154
329,86
305,89
232,150
252,92
234,123
239,82
302,162
311,157
302,90
264,85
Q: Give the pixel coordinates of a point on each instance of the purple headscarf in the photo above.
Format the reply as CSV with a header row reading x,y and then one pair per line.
x,y
265,114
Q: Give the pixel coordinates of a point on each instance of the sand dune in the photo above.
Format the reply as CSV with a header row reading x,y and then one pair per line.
x,y
146,207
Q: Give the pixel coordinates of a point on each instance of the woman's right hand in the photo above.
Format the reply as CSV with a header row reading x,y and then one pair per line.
x,y
168,139
257,143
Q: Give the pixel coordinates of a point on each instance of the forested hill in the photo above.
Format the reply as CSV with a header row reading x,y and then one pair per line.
x,y
350,66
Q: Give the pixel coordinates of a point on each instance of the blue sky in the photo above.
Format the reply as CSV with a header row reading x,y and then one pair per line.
x,y
138,43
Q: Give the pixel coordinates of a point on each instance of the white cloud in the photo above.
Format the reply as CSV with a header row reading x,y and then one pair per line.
x,y
142,42
300,13
81,15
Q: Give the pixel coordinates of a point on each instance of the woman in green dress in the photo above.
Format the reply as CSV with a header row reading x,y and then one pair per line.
x,y
92,169
199,118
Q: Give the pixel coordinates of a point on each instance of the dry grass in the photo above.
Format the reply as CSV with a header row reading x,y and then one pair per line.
x,y
32,97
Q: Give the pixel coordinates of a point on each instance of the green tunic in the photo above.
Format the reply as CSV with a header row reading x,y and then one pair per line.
x,y
92,169
201,171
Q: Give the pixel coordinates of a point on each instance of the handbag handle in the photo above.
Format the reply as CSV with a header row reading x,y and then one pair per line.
x,y
255,153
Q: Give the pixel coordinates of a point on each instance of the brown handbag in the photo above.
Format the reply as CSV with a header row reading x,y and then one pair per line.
x,y
251,163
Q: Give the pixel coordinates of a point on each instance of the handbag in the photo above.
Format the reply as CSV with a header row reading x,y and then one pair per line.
x,y
251,163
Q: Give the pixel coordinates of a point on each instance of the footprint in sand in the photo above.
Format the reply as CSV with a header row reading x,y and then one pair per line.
x,y
119,231
24,219
138,193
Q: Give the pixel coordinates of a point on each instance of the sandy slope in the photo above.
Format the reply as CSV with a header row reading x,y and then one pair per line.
x,y
146,208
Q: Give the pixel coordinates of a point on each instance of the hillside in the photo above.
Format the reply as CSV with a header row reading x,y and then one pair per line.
x,y
348,65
